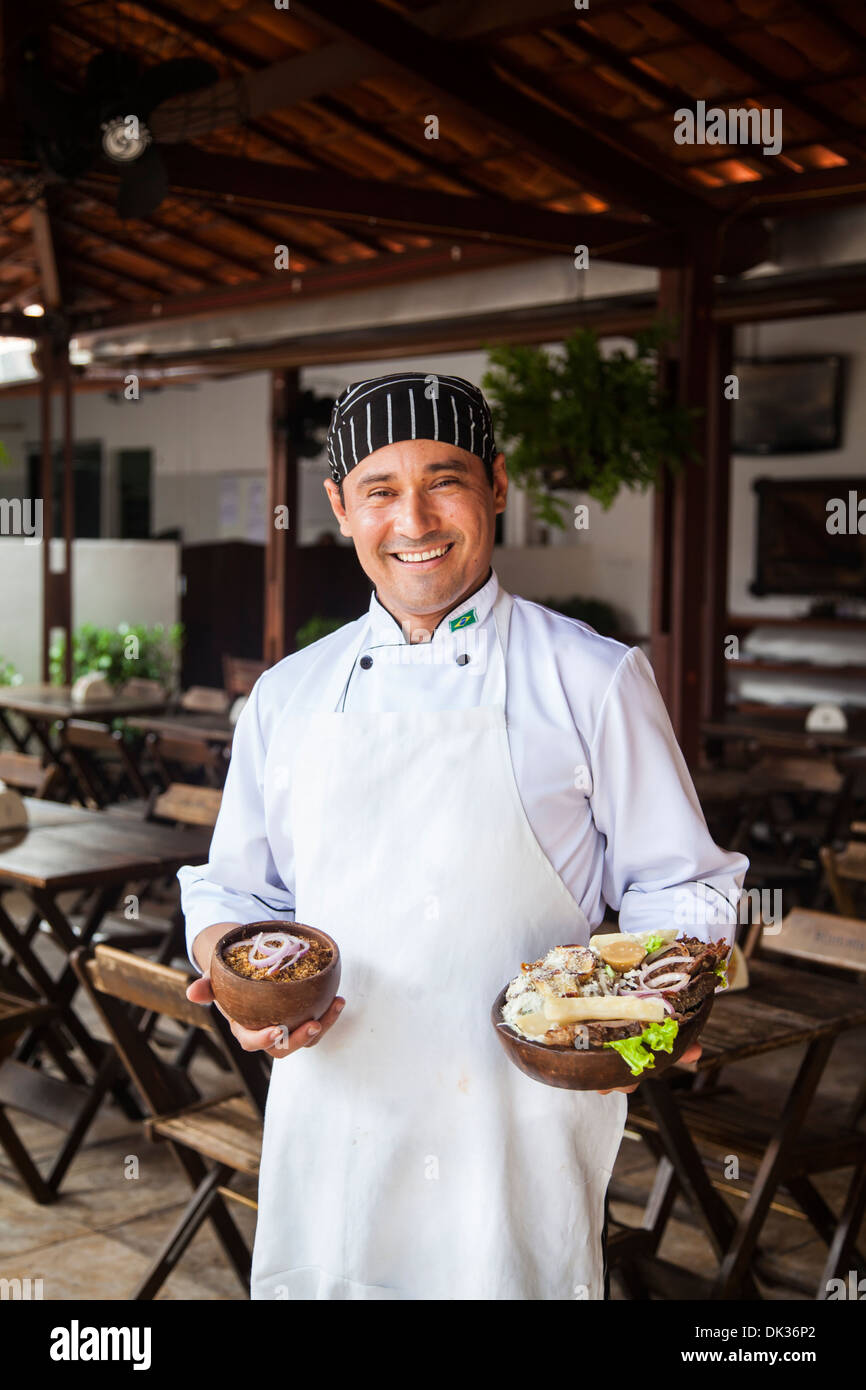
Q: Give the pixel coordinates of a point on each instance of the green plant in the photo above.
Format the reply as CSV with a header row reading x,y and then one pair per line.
x,y
9,675
586,422
130,649
316,627
593,611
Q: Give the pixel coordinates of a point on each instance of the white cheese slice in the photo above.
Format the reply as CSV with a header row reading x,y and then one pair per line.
x,y
602,1009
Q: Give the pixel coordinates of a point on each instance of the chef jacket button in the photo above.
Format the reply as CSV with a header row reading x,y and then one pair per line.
x,y
366,662
462,658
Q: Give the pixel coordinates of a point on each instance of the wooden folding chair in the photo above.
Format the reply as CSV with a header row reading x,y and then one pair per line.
x,y
240,674
212,1139
70,1106
841,868
171,752
102,761
25,772
181,805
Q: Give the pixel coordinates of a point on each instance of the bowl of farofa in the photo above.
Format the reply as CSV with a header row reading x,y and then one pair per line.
x,y
258,994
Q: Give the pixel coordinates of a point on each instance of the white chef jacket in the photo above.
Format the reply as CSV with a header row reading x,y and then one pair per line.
x,y
600,775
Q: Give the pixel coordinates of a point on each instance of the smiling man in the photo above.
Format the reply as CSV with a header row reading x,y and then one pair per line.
x,y
443,821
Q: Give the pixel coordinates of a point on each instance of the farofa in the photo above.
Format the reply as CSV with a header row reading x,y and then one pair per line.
x,y
311,963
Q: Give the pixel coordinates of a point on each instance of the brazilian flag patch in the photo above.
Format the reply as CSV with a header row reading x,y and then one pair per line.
x,y
465,620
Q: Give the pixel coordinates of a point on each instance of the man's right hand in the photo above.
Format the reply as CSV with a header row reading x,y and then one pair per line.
x,y
276,1041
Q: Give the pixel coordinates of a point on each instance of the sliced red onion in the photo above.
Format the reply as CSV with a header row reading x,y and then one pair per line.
x,y
671,983
668,962
276,948
288,959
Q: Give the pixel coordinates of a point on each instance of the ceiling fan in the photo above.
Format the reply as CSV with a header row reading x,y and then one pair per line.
x,y
110,118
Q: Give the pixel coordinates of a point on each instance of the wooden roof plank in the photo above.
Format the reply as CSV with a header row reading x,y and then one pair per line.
x,y
770,81
474,87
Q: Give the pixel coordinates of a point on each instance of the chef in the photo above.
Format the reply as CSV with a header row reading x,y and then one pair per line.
x,y
450,785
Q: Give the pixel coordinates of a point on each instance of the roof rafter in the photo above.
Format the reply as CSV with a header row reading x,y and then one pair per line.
x,y
836,126
474,87
490,220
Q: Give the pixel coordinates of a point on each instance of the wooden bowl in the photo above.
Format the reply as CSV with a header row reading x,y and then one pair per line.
x,y
263,1003
591,1068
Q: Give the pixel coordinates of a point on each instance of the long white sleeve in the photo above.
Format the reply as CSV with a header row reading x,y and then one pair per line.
x,y
240,882
661,865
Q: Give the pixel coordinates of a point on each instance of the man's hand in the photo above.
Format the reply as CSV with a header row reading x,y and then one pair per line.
x,y
691,1054
275,1041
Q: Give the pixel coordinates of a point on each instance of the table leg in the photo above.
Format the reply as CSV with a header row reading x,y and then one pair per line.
x,y
822,1216
40,729
11,732
683,1164
64,988
738,1255
47,989
846,1233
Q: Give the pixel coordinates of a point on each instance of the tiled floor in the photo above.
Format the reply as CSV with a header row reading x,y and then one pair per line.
x,y
99,1239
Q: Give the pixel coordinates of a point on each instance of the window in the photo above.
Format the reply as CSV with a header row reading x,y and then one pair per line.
x,y
87,488
133,484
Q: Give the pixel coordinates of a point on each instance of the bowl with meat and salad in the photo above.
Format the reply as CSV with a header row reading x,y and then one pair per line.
x,y
596,1017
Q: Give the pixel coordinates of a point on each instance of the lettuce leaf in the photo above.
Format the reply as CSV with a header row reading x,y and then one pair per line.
x,y
722,971
653,943
634,1051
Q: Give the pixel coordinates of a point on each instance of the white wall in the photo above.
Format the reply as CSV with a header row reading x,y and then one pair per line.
x,y
200,434
845,334
112,582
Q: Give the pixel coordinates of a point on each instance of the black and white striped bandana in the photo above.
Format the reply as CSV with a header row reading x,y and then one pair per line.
x,y
407,405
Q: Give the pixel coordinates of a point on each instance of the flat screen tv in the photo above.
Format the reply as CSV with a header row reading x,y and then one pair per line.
x,y
796,551
788,405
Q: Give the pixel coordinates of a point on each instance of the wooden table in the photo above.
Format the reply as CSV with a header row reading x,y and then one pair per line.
x,y
782,1007
214,728
68,847
770,733
40,706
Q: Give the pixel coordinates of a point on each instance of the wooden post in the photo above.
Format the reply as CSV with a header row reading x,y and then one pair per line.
x,y
718,464
65,589
46,370
53,360
680,516
281,560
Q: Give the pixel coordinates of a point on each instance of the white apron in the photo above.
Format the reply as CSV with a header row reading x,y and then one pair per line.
x,y
404,1156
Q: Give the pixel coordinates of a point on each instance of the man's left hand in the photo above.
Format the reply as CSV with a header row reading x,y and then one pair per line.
x,y
691,1054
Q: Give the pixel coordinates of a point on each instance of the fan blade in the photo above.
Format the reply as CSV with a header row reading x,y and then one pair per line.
x,y
170,79
110,74
143,185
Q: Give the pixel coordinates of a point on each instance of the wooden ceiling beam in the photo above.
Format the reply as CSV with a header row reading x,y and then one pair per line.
x,y
796,195
338,279
368,201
